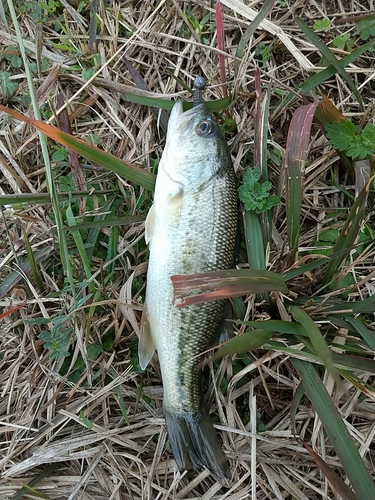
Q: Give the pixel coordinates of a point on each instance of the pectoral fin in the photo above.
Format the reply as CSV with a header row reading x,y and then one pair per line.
x,y
146,346
150,224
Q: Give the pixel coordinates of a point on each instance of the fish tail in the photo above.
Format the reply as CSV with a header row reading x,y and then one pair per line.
x,y
195,444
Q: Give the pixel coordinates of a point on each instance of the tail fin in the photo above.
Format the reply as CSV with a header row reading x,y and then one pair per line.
x,y
195,444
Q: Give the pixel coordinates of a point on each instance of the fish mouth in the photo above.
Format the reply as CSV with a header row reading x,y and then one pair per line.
x,y
180,120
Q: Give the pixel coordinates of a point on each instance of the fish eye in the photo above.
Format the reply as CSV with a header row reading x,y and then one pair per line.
x,y
205,128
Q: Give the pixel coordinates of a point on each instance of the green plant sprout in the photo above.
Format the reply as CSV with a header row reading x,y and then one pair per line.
x,y
322,24
254,195
344,42
342,136
366,28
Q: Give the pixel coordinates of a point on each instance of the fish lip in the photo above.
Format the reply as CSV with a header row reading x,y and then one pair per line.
x,y
180,120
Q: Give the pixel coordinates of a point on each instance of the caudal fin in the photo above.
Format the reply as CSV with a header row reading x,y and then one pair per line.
x,y
195,444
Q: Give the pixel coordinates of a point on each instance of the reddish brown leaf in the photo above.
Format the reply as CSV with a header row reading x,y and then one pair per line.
x,y
217,285
297,148
75,166
337,483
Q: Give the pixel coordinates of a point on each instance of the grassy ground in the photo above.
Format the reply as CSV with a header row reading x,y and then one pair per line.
x,y
78,419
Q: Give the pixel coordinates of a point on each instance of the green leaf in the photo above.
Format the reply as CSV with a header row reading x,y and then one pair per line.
x,y
366,27
248,341
254,195
322,24
358,150
340,134
317,339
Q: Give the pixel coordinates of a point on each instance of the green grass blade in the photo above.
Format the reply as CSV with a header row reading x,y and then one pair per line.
x,y
32,261
317,339
264,10
111,221
14,199
254,240
337,432
26,489
79,244
63,246
299,271
324,50
318,78
248,341
363,331
348,234
213,106
276,325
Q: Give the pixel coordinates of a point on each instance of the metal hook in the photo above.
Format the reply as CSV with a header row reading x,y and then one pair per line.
x,y
199,85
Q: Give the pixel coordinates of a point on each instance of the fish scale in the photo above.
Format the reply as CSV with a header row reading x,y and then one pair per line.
x,y
191,228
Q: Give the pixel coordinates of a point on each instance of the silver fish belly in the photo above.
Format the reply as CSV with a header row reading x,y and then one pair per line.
x,y
191,228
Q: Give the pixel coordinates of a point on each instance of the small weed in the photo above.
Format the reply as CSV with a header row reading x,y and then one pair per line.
x,y
344,42
342,136
366,28
204,28
7,86
322,24
254,195
263,53
57,340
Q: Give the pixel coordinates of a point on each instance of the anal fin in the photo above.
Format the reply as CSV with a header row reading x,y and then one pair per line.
x,y
146,345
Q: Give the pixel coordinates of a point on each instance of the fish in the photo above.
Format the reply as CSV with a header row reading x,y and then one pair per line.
x,y
190,228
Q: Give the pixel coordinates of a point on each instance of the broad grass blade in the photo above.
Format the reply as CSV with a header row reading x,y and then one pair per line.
x,y
130,172
295,158
337,483
337,432
348,234
326,112
254,240
248,341
216,285
213,106
317,339
279,326
338,65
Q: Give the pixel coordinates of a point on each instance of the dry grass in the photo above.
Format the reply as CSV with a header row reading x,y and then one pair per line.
x,y
75,415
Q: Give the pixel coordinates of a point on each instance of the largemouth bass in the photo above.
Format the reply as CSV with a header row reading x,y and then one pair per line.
x,y
191,228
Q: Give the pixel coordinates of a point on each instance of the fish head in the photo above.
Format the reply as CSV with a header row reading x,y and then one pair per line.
x,y
195,150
